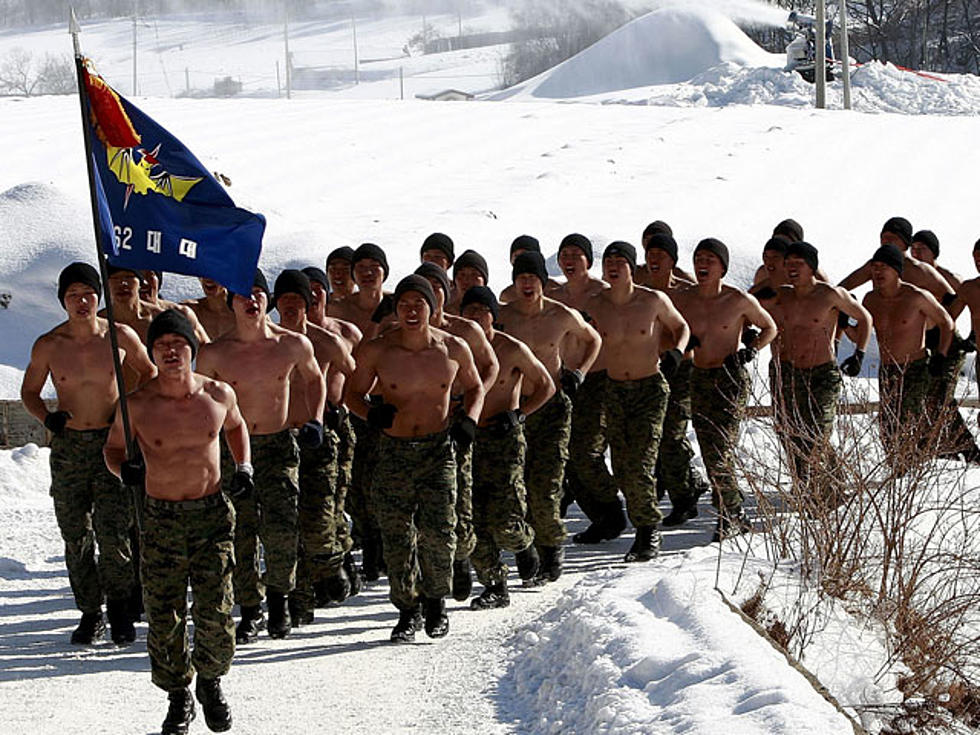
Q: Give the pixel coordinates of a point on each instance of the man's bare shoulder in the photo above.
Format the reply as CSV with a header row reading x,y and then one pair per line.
x,y
910,291
218,390
463,327
969,289
556,309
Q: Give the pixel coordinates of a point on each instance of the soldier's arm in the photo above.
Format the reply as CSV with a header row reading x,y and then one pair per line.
x,y
340,367
136,356
537,387
483,355
467,376
968,295
207,360
236,430
761,274
34,378
312,376
673,323
114,451
199,331
855,279
760,318
937,315
587,336
860,334
363,378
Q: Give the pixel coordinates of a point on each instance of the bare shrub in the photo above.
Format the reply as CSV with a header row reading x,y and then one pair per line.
x,y
22,73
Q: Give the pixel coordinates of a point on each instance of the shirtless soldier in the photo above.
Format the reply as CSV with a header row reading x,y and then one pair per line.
x,y
486,365
340,269
438,248
546,326
677,477
636,325
258,359
901,313
370,268
969,296
212,310
469,269
152,282
89,503
188,528
322,544
717,314
523,244
811,383
499,497
587,478
645,272
414,367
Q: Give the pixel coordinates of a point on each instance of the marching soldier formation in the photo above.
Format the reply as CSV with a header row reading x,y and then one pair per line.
x,y
437,428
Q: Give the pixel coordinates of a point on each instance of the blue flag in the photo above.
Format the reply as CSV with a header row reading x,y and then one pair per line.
x,y
160,209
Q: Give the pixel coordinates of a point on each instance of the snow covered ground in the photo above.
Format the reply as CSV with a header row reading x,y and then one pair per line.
x,y
711,145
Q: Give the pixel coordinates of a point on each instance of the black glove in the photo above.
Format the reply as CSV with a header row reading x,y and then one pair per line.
x,y
692,343
737,359
463,432
133,472
851,367
937,364
749,335
381,416
669,361
242,484
334,416
55,421
310,434
843,320
764,293
570,381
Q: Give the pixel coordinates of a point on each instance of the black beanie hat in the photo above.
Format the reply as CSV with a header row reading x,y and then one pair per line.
x,y
899,226
341,253
657,227
929,239
619,247
417,283
292,281
481,295
171,321
372,251
316,275
525,242
439,241
663,242
806,251
472,259
78,273
579,241
779,244
533,263
890,256
259,281
713,245
433,270
789,229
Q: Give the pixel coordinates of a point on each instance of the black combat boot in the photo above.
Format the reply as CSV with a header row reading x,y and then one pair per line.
x,y
217,715
121,628
462,580
299,613
280,623
610,524
646,545
436,620
90,629
552,562
409,621
528,565
251,623
731,522
493,596
181,713
335,588
353,574
371,558
681,513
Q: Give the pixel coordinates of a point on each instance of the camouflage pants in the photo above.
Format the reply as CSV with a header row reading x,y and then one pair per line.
x,y
188,542
415,496
271,515
717,404
547,431
675,473
465,533
499,500
586,475
636,411
810,399
321,551
941,406
363,467
345,471
91,507
904,428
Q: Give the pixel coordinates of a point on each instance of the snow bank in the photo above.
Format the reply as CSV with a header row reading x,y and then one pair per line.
x,y
663,47
656,649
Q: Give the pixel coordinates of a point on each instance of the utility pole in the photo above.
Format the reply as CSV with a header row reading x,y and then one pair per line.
x,y
285,35
820,55
845,55
135,11
357,71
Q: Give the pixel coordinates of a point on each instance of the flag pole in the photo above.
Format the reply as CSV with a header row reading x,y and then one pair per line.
x,y
74,29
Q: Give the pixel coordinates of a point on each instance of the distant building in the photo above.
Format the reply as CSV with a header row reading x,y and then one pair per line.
x,y
447,95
